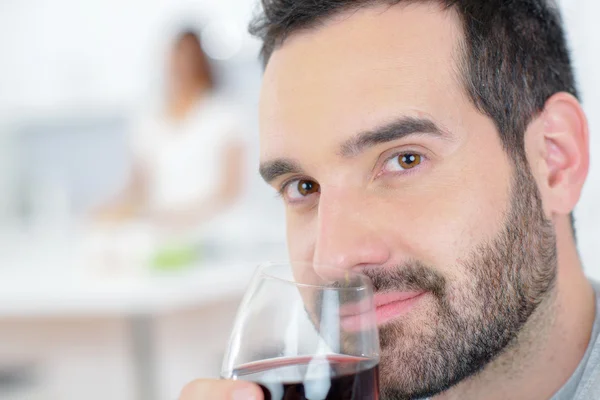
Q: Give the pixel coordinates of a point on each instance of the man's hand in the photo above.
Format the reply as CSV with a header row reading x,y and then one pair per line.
x,y
205,389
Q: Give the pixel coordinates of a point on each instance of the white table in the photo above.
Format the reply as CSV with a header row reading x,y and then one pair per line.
x,y
139,302
47,296
40,278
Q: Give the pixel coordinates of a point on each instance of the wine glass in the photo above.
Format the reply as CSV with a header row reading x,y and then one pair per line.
x,y
300,335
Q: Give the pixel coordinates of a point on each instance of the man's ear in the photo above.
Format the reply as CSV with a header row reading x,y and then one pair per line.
x,y
557,146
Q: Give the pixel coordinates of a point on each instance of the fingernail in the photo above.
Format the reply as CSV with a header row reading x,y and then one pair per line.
x,y
246,393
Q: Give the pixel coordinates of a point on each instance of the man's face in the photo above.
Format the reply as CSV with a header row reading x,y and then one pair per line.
x,y
386,167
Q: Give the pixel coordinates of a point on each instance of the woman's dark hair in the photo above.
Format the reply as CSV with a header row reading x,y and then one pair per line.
x,y
203,66
514,52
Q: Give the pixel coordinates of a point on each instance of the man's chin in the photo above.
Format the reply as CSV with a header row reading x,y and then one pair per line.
x,y
407,347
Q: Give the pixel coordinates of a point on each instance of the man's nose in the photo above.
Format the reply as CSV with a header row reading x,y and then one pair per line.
x,y
348,235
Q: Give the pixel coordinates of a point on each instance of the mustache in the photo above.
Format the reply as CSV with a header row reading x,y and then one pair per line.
x,y
411,276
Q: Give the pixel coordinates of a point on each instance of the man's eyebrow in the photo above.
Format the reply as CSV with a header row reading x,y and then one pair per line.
x,y
403,127
271,170
398,129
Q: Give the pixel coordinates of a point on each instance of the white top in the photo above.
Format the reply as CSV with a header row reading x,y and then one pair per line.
x,y
184,158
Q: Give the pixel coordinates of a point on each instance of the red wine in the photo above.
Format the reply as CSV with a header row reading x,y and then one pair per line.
x,y
302,378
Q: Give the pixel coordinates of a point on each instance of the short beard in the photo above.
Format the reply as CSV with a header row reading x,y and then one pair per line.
x,y
509,278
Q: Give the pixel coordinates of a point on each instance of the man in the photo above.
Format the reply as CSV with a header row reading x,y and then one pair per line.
x,y
439,148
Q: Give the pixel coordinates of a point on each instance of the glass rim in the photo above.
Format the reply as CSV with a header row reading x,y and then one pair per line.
x,y
263,267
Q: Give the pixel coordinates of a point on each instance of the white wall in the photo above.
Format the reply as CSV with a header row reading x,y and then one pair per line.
x,y
581,18
99,53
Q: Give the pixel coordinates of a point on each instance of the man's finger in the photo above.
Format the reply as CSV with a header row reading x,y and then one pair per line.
x,y
203,389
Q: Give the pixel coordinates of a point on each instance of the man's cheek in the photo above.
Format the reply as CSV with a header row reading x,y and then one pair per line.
x,y
426,231
301,240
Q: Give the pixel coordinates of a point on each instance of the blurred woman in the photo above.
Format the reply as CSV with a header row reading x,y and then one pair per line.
x,y
187,156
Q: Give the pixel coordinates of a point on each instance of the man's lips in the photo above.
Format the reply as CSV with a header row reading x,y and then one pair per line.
x,y
392,297
391,305
388,306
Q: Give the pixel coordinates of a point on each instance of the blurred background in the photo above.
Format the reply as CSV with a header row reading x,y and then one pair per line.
x,y
108,288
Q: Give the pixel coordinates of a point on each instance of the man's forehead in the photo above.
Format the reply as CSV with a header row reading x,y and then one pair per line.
x,y
357,69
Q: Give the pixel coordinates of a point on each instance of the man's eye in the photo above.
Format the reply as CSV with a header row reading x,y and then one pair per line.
x,y
300,188
402,162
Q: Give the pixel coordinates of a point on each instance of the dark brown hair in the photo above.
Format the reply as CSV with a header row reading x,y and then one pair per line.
x,y
203,68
